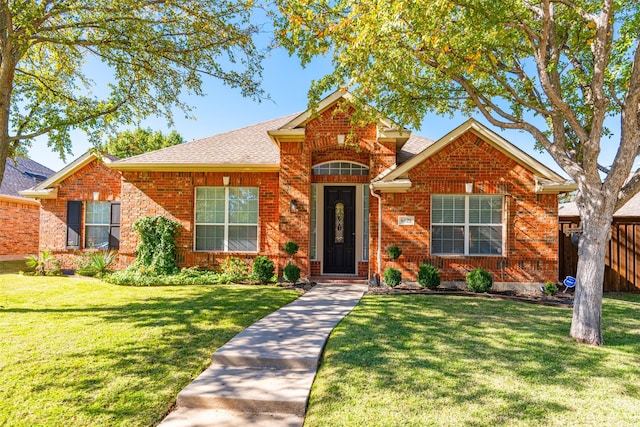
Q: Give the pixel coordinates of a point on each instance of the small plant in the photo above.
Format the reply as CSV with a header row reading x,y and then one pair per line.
x,y
291,248
392,277
394,252
235,268
44,264
263,269
291,273
428,276
479,280
550,289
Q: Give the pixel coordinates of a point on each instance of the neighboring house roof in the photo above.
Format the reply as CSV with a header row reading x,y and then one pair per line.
x,y
248,148
21,174
48,189
396,179
629,209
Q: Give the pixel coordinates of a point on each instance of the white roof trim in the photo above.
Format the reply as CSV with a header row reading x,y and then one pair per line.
x,y
20,200
47,188
194,167
322,105
489,136
50,193
395,186
545,186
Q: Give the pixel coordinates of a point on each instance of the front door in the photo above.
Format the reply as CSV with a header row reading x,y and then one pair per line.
x,y
339,230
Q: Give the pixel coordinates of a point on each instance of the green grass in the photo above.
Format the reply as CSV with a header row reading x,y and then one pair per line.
x,y
13,266
83,352
419,360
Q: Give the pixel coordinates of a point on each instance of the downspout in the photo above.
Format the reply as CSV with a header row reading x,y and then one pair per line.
x,y
378,251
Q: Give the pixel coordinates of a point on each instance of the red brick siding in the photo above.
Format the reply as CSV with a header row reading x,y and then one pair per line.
x,y
532,241
80,186
172,194
20,228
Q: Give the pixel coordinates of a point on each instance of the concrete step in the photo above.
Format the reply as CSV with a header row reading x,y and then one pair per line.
x,y
251,390
193,417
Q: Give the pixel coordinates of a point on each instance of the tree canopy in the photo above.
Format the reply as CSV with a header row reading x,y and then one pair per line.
x,y
553,68
133,142
94,65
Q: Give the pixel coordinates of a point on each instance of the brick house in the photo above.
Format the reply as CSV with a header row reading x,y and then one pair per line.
x,y
344,194
20,216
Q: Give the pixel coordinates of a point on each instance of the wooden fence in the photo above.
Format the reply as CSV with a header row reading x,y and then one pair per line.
x,y
622,263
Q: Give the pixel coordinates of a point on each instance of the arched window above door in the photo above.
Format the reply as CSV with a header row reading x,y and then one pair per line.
x,y
341,168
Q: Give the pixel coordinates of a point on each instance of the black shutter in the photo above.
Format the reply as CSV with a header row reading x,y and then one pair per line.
x,y
74,222
114,226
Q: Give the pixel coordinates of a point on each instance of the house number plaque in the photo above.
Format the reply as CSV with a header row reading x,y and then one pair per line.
x,y
406,220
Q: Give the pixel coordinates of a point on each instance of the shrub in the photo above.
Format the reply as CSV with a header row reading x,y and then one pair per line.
x,y
235,268
44,264
394,252
428,276
263,269
157,251
392,277
550,289
291,273
479,280
291,248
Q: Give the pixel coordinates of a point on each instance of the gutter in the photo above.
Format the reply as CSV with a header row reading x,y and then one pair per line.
x,y
379,251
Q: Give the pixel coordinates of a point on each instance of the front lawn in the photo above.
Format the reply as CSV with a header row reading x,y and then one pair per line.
x,y
83,352
419,360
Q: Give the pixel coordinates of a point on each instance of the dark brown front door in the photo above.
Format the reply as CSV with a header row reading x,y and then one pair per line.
x,y
339,230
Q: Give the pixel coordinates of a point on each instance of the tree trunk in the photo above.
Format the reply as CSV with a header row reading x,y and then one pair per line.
x,y
586,326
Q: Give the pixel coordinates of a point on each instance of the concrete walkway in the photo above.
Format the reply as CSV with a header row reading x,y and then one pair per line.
x,y
263,376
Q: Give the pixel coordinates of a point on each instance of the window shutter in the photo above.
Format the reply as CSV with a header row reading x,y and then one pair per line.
x,y
114,227
74,220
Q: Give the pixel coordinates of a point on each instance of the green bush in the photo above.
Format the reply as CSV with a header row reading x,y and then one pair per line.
x,y
44,264
550,289
394,252
291,248
186,276
291,273
157,251
428,276
235,268
263,269
392,277
479,280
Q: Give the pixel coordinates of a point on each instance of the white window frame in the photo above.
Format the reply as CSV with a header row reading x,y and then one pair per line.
x,y
467,225
226,223
87,224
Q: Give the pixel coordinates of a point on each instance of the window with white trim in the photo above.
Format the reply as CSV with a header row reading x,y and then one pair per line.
x,y
467,225
101,226
226,219
340,168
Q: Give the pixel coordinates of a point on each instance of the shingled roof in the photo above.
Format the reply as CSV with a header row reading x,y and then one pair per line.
x,y
246,148
21,174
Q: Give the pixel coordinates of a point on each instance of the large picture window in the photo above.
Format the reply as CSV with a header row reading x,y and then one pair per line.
x,y
466,225
226,219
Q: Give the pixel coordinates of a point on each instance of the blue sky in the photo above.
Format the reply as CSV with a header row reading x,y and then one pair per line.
x,y
223,109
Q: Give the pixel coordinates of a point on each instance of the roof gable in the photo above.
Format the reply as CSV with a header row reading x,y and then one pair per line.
x,y
47,189
488,136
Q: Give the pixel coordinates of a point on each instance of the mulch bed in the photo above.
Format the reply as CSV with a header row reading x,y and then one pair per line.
x,y
532,297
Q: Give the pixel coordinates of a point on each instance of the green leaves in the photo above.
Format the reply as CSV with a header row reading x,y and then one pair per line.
x,y
157,251
130,143
94,65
